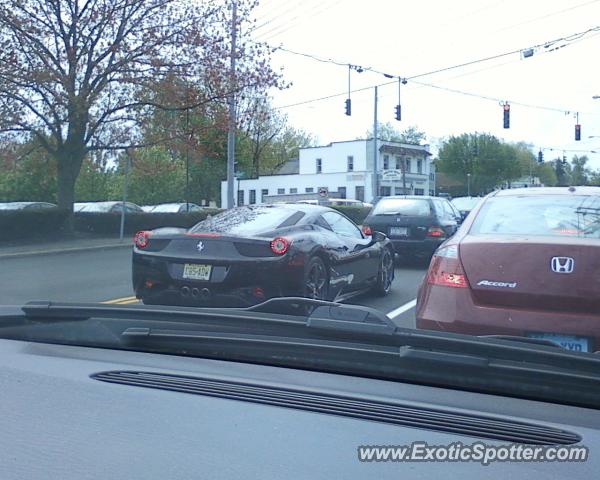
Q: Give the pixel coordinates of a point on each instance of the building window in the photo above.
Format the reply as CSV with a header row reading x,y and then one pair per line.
x,y
252,197
281,191
309,189
342,192
399,191
359,193
408,165
420,166
385,191
432,176
319,165
386,162
240,197
264,192
293,190
419,191
398,163
350,164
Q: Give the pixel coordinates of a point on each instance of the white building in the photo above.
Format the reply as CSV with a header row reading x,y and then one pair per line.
x,y
345,170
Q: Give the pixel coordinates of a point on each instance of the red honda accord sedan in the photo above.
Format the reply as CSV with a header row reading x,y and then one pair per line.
x,y
526,262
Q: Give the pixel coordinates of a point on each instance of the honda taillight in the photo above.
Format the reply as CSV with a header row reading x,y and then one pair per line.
x,y
367,230
446,269
280,245
436,232
141,239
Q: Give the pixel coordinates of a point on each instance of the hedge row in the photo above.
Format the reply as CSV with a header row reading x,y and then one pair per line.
x,y
108,223
26,224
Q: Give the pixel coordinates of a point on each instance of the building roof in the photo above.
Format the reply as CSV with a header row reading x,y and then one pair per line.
x,y
417,148
401,150
291,167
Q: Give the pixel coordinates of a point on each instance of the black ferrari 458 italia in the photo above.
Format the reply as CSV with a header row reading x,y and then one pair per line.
x,y
246,255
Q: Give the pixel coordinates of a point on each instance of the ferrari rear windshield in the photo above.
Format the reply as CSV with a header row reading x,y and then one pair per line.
x,y
413,207
550,215
249,220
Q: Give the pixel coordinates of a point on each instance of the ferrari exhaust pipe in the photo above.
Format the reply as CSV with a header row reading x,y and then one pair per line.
x,y
205,293
185,291
195,292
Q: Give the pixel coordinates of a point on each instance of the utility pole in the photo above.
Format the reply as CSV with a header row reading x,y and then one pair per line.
x,y
375,152
127,162
468,184
403,175
232,120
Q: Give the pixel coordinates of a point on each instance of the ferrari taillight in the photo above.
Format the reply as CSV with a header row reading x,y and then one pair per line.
x,y
280,245
446,269
141,239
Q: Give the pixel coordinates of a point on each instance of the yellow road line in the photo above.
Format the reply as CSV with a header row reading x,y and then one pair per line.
x,y
121,300
129,302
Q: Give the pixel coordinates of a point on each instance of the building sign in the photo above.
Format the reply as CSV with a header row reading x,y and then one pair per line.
x,y
391,175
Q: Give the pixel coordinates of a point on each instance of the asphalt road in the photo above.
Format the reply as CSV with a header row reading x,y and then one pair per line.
x,y
105,276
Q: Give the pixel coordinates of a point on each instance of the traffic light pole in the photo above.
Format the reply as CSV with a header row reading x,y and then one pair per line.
x,y
232,122
375,151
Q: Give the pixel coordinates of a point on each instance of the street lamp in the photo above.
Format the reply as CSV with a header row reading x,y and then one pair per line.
x,y
468,184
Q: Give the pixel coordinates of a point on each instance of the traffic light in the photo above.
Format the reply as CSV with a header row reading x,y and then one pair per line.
x,y
540,157
577,133
506,115
398,112
348,107
564,160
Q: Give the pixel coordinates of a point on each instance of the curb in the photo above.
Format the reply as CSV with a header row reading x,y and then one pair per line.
x,y
32,253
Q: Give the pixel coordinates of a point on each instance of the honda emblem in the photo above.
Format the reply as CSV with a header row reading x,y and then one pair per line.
x,y
562,264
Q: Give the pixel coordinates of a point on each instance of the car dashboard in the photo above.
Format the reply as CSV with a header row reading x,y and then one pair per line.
x,y
76,413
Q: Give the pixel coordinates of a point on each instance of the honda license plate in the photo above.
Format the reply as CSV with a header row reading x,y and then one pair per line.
x,y
399,231
568,342
196,272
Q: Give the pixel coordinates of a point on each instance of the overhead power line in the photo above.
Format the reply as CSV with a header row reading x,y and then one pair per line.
x,y
548,46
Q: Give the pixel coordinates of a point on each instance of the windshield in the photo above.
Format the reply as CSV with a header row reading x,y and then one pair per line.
x,y
403,206
437,162
549,215
248,221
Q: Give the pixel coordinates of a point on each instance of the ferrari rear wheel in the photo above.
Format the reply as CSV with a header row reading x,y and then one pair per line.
x,y
316,279
385,277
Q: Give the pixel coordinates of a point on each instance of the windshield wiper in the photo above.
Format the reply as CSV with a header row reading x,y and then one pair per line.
x,y
354,340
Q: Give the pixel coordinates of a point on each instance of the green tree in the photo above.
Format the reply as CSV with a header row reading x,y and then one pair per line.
x,y
154,177
27,173
563,172
547,174
387,132
487,160
74,74
95,181
580,173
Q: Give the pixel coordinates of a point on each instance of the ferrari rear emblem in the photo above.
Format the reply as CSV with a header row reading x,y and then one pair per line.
x,y
200,246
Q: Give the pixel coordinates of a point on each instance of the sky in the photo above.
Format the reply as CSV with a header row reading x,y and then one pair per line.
x,y
407,38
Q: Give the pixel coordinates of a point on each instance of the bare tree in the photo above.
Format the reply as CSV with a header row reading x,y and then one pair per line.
x,y
74,74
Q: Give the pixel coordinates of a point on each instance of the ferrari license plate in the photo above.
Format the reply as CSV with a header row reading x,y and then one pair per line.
x,y
193,271
399,231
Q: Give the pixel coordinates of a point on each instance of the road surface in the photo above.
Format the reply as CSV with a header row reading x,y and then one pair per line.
x,y
105,276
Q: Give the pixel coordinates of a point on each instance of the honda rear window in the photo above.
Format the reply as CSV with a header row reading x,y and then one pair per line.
x,y
249,220
403,206
549,215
